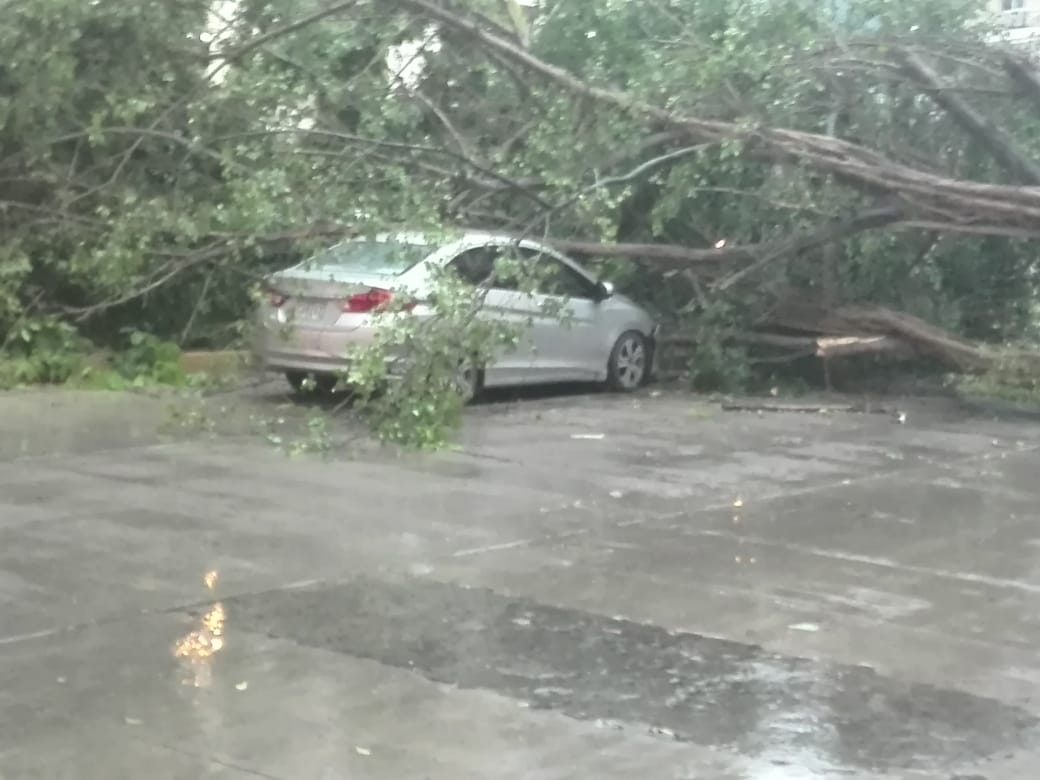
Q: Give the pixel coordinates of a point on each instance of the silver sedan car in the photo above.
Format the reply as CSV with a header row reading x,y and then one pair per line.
x,y
574,327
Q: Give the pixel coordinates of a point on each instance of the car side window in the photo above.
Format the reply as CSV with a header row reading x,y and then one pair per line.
x,y
475,266
488,266
558,279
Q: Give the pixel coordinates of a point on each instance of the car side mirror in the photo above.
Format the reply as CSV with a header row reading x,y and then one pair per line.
x,y
605,290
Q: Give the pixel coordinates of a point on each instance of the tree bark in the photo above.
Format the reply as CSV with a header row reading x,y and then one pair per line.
x,y
1024,77
1004,151
921,195
828,233
678,255
758,255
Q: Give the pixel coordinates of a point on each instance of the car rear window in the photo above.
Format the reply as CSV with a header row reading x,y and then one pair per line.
x,y
381,258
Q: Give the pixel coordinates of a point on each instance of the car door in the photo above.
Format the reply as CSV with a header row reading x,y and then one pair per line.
x,y
487,268
567,334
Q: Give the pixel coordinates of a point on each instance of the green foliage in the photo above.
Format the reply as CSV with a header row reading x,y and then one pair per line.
x,y
144,361
715,362
147,360
413,382
41,351
314,439
48,351
318,439
1013,377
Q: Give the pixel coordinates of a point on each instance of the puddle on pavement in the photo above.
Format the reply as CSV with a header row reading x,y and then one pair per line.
x,y
781,710
197,649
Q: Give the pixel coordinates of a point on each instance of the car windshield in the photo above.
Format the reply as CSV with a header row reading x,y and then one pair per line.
x,y
381,258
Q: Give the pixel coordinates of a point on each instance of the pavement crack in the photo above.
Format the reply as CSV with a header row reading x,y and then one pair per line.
x,y
122,617
871,560
218,761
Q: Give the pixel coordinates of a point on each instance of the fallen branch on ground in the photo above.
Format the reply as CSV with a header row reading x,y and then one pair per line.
x,y
860,329
755,405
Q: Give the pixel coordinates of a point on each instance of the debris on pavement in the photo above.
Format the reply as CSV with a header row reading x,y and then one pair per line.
x,y
660,731
811,628
362,751
588,436
242,686
767,405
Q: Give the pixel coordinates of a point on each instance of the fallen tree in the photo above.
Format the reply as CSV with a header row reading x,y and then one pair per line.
x,y
861,329
710,168
907,195
921,197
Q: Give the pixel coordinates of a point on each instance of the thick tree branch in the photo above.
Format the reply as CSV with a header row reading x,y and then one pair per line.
x,y
648,166
217,250
502,45
449,126
257,41
920,195
756,254
189,144
672,254
977,126
644,167
828,233
1025,77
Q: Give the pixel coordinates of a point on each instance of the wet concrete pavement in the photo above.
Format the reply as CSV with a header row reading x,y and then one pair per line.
x,y
591,587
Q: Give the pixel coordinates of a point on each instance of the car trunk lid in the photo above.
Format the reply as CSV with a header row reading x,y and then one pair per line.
x,y
319,302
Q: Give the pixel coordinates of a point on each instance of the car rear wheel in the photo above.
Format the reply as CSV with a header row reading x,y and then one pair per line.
x,y
629,363
468,382
301,382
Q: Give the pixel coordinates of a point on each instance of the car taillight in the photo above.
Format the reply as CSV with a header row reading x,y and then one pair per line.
x,y
275,298
371,300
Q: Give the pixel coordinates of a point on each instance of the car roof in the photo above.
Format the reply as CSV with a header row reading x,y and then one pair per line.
x,y
455,238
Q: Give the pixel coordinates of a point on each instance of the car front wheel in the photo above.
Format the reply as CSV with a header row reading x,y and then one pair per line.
x,y
629,363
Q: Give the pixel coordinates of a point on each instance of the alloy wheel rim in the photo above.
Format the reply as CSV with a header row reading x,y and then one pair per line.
x,y
630,363
466,383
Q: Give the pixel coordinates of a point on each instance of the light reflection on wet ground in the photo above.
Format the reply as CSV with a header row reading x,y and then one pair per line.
x,y
198,647
712,692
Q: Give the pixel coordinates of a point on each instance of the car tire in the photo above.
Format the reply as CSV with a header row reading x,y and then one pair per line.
x,y
628,367
324,384
469,383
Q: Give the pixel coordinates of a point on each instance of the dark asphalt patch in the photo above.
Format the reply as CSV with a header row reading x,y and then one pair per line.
x,y
35,492
708,691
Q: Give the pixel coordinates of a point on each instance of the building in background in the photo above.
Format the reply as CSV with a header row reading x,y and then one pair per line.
x,y
1020,21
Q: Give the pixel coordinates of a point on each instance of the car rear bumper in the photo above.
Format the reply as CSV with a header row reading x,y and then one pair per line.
x,y
311,350
274,353
307,364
